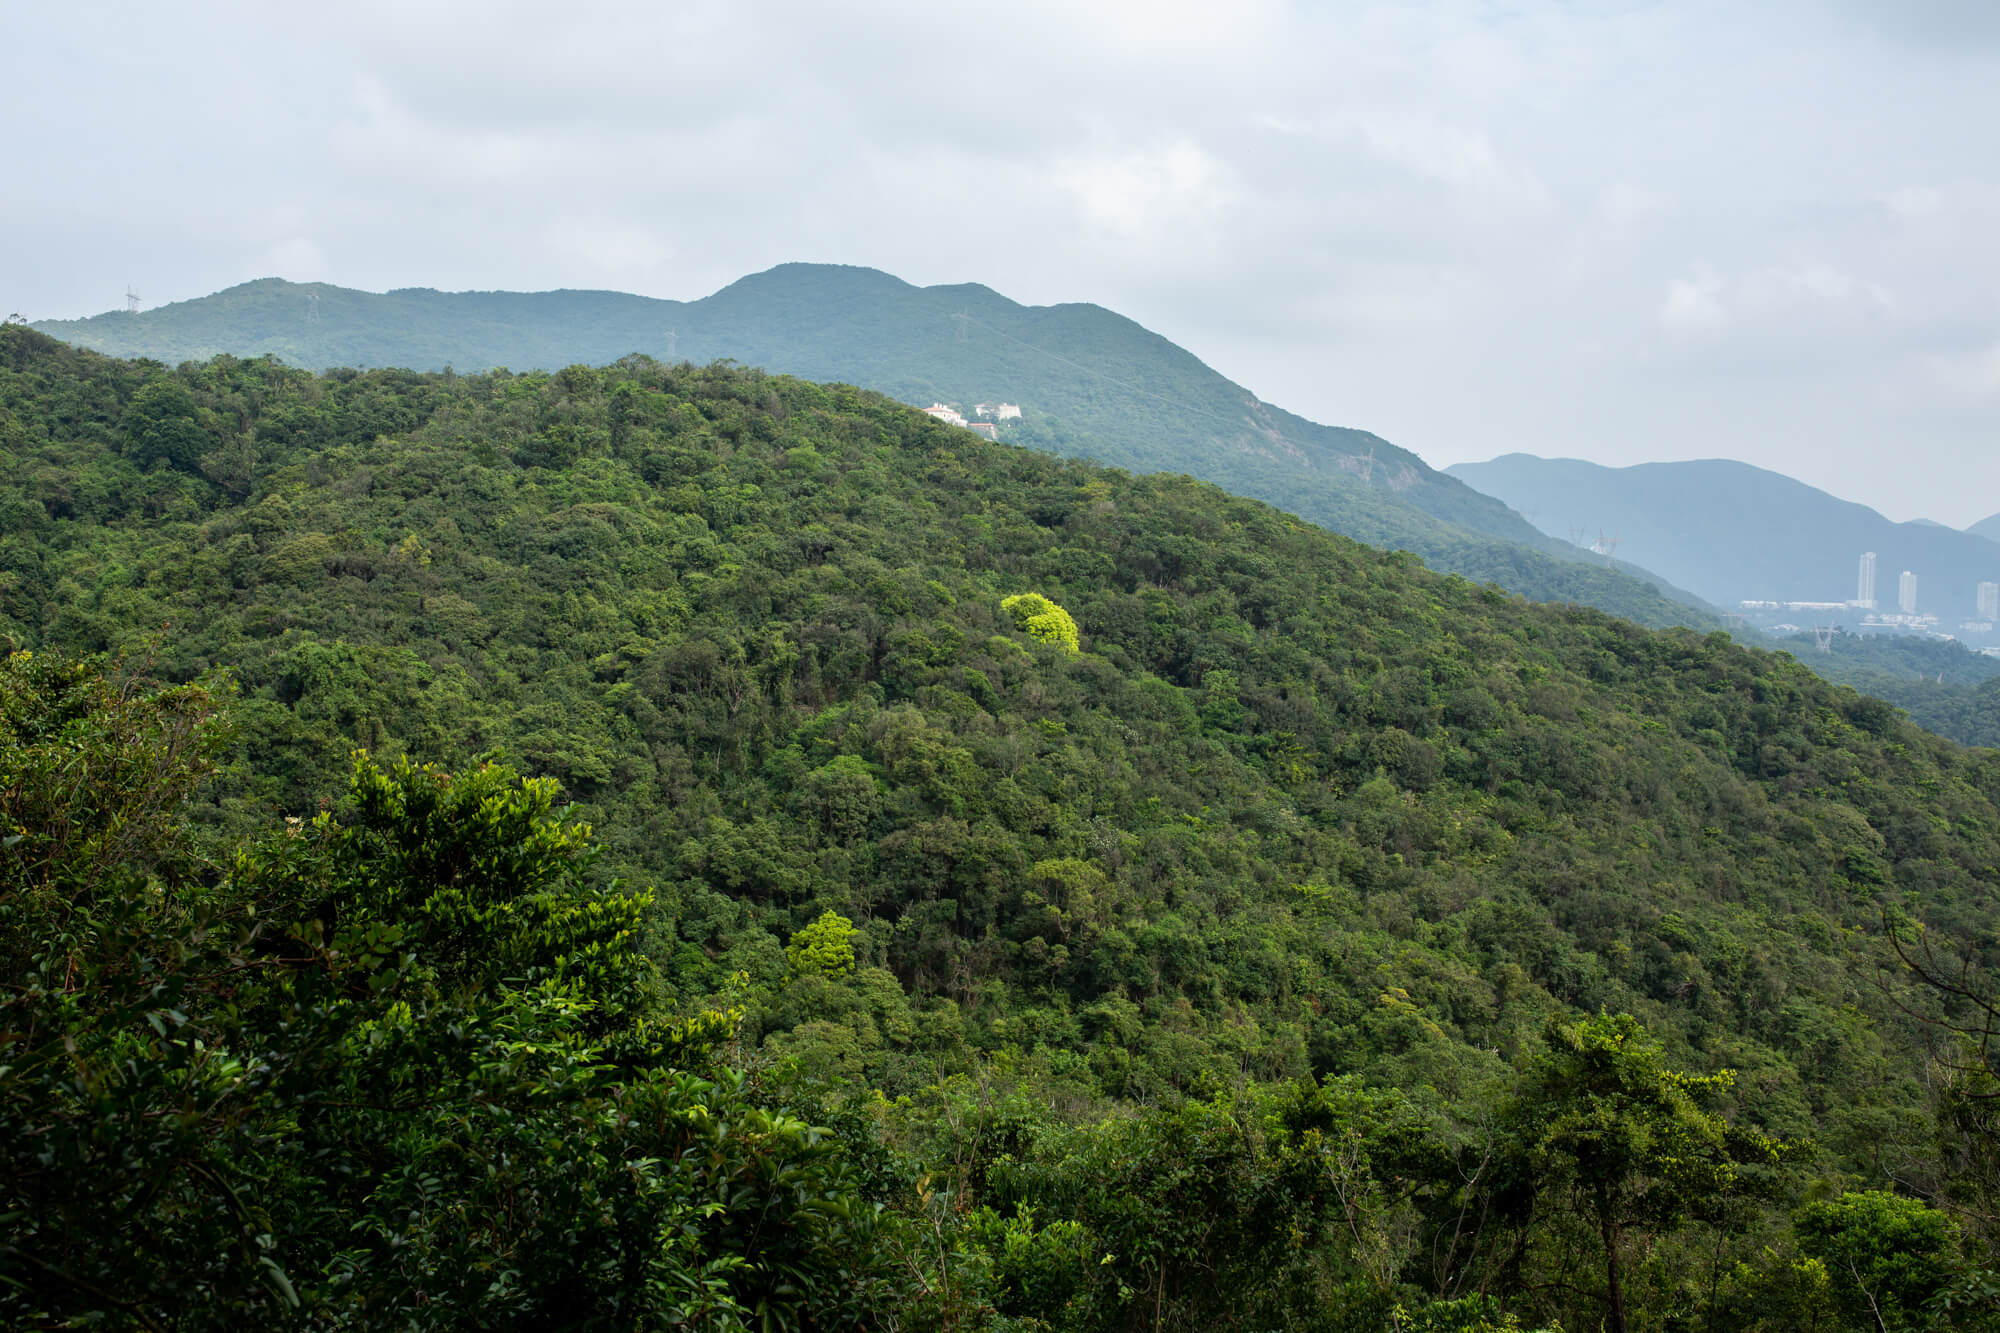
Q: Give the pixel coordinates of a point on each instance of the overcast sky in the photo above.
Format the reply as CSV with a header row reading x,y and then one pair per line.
x,y
1603,229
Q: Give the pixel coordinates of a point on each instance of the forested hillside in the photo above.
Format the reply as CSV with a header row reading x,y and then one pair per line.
x,y
1092,384
1943,685
1030,896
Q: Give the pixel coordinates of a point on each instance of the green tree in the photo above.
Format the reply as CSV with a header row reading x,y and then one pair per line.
x,y
823,949
1041,619
162,426
95,770
1964,1076
1472,1314
400,1068
1887,1256
1604,1129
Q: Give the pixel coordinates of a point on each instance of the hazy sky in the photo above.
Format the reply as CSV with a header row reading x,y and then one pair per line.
x,y
1613,230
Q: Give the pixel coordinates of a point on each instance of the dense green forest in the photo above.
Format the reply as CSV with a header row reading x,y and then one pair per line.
x,y
1892,659
1093,384
957,887
1943,685
1968,713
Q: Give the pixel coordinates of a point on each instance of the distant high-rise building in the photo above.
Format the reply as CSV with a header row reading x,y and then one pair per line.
x,y
1864,593
1906,593
1989,601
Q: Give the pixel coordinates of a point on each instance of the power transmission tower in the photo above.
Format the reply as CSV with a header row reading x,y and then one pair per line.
x,y
1367,468
312,307
963,320
1824,633
1605,546
673,340
131,300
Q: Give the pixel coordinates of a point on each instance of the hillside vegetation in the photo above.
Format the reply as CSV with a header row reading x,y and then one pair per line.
x,y
1092,383
1941,684
1028,896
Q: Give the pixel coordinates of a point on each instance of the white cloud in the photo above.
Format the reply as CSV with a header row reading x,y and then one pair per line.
x,y
1973,374
298,258
1915,203
1456,156
1693,304
1816,284
1154,198
611,251
1704,301
384,137
1348,207
1623,207
1138,31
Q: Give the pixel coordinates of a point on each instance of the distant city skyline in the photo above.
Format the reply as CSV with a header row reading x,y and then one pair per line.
x,y
1985,596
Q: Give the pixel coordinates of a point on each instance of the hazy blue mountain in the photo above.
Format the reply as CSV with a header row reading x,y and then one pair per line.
x,y
1731,531
1091,382
1988,527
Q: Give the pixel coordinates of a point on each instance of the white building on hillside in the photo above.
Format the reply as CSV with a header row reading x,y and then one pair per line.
x,y
949,416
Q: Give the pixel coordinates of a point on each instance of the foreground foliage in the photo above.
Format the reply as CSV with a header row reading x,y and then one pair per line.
x,y
399,1065
387,1068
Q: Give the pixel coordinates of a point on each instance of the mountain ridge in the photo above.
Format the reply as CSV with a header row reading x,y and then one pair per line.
x,y
1093,383
1732,531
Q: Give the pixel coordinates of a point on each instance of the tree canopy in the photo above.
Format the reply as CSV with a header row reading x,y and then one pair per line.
x,y
1315,938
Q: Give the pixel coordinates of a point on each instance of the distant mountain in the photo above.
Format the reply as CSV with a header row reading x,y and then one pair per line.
x,y
1988,527
1091,383
1731,531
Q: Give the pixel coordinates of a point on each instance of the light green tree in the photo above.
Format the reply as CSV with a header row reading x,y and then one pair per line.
x,y
1886,1255
823,949
1041,619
